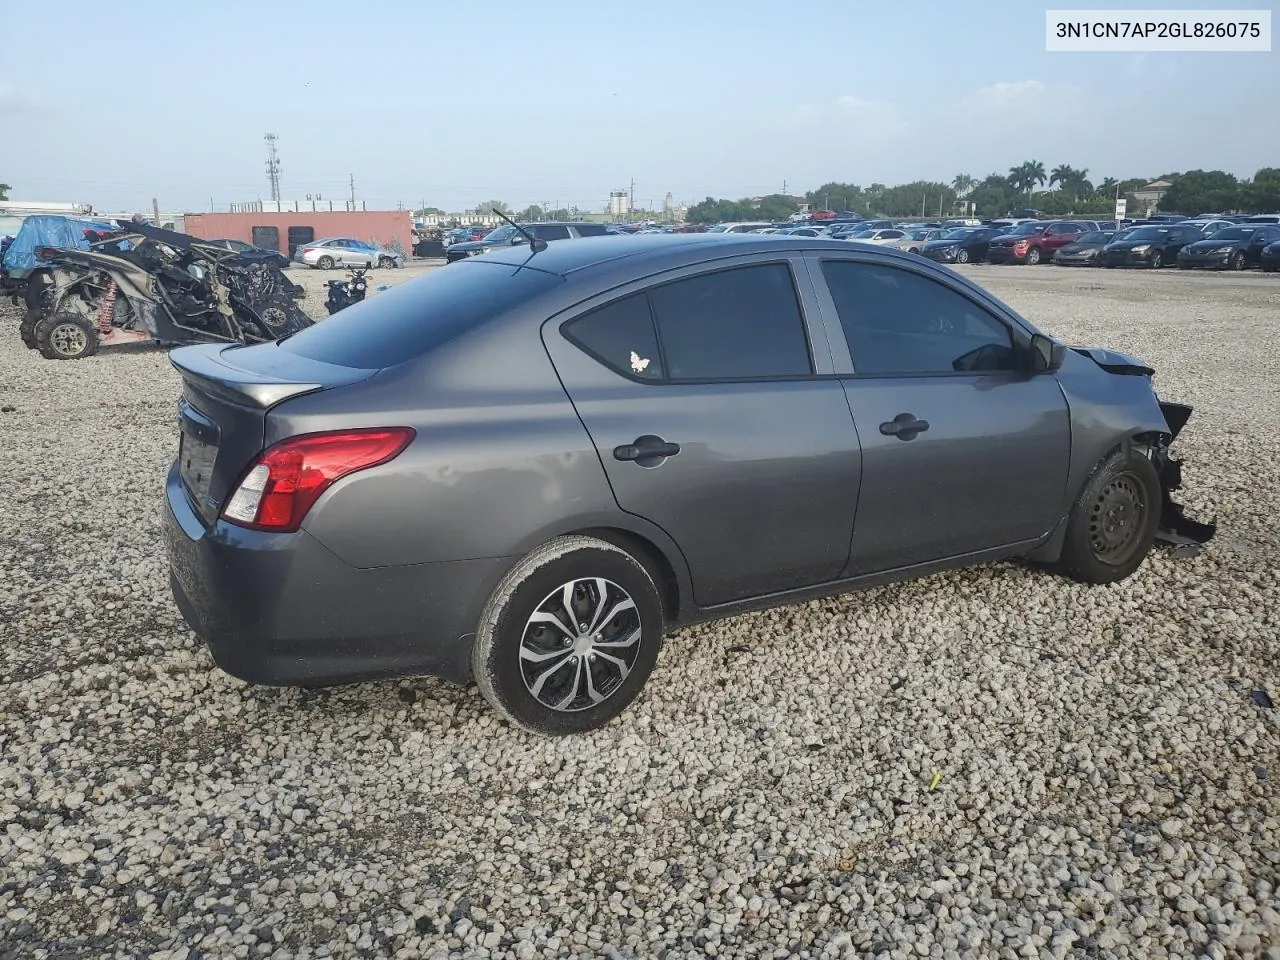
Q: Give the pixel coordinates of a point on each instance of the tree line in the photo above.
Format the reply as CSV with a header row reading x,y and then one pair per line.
x,y
1070,192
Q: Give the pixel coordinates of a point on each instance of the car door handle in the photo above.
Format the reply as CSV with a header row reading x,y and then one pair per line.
x,y
646,451
904,426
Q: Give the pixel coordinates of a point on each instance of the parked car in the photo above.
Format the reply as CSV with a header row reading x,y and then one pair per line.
x,y
1269,259
961,245
1234,248
916,238
24,274
1084,251
345,252
744,226
1148,246
508,236
528,476
1208,227
248,251
1034,241
887,238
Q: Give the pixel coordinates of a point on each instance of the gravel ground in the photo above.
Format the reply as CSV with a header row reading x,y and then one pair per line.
x,y
991,762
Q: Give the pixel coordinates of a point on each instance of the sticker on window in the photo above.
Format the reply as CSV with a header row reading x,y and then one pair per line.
x,y
638,363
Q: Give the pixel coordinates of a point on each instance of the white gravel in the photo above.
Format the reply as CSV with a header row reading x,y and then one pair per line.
x,y
1105,779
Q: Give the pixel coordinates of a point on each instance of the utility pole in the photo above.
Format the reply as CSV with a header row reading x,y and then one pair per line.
x,y
352,176
273,166
155,211
632,201
784,188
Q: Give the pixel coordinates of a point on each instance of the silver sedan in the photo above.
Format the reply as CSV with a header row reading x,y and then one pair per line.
x,y
346,252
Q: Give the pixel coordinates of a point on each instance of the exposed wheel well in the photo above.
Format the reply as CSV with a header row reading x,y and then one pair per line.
x,y
653,560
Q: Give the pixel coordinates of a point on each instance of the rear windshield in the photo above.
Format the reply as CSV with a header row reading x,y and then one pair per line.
x,y
412,318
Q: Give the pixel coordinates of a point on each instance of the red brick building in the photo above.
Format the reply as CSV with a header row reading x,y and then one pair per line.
x,y
286,231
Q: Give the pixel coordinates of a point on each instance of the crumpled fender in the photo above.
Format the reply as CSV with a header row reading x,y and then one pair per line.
x,y
1113,361
1175,526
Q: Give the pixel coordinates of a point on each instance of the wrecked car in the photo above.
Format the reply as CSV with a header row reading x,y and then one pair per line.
x,y
525,469
140,284
24,276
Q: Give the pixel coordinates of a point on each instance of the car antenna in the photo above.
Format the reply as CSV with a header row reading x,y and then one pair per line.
x,y
536,245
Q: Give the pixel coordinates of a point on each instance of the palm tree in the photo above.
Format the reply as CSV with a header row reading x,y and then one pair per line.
x,y
1035,174
1108,186
1061,174
963,183
1025,176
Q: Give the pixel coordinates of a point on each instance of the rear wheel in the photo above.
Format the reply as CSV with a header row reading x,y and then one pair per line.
x,y
1113,523
1033,256
569,636
66,336
325,263
27,328
386,263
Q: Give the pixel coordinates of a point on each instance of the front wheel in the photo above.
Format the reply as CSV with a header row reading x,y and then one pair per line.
x,y
325,263
1237,261
962,256
66,336
1033,256
1157,259
1113,523
569,636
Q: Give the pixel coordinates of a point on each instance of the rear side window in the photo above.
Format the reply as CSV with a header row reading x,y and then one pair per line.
x,y
550,231
734,324
898,323
621,336
412,318
590,229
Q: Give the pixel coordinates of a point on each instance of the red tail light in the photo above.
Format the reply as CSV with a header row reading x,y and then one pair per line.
x,y
307,249
287,479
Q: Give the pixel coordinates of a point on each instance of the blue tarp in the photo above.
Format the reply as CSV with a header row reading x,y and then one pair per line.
x,y
45,231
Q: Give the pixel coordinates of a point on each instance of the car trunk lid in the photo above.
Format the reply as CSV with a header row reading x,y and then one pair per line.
x,y
226,394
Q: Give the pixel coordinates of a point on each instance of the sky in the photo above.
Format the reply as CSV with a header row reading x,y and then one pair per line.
x,y
560,101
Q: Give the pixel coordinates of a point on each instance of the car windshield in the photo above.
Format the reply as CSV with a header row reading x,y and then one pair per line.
x,y
1149,233
1097,236
500,235
1027,230
1235,233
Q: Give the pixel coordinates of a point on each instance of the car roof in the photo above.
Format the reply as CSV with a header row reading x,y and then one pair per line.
x,y
663,251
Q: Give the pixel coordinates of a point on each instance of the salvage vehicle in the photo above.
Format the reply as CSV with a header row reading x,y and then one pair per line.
x,y
526,468
346,252
1233,248
24,276
344,293
1151,245
1083,252
144,284
1035,241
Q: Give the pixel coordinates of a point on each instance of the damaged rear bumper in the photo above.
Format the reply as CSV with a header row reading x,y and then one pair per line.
x,y
1175,526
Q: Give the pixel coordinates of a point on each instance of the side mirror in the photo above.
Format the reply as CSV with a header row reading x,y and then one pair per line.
x,y
1046,354
516,239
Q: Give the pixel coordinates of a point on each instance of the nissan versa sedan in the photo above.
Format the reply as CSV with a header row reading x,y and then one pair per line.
x,y
525,468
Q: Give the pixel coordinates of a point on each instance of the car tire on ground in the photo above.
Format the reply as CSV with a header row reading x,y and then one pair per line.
x,y
66,336
1113,523
1157,259
962,256
1033,256
386,263
325,263
27,328
1237,261
553,675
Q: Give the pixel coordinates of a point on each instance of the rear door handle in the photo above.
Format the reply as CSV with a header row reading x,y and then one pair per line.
x,y
648,451
904,426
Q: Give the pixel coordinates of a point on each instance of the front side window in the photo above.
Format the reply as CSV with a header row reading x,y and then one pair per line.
x,y
897,322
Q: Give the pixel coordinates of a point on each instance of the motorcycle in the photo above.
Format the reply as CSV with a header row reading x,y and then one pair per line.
x,y
343,293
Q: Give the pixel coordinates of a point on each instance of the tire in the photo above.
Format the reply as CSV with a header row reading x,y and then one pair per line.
x,y
325,263
962,256
1237,261
1033,256
386,263
66,336
38,284
1157,260
27,328
1113,523
557,700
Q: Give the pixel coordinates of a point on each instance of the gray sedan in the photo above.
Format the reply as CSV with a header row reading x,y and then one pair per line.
x,y
525,468
346,252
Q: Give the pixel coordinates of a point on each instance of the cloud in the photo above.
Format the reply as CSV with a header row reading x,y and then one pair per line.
x,y
871,121
1011,105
